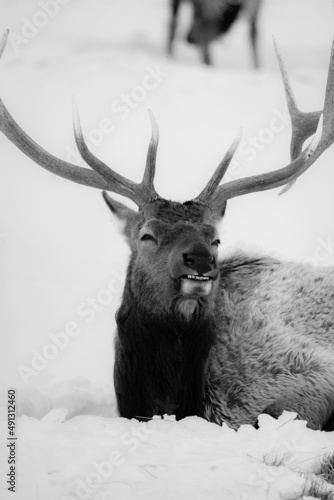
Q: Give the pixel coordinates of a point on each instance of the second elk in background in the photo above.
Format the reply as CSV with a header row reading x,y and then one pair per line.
x,y
213,18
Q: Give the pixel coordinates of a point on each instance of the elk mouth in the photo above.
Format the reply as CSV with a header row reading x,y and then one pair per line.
x,y
196,277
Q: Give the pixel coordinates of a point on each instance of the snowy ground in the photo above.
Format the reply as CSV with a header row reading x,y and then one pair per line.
x,y
60,249
107,459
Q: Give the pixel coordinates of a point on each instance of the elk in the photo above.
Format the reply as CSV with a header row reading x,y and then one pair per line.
x,y
224,340
212,19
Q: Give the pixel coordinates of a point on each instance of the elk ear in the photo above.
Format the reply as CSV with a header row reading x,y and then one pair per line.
x,y
129,217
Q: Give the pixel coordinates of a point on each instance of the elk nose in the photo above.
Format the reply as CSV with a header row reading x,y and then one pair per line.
x,y
200,259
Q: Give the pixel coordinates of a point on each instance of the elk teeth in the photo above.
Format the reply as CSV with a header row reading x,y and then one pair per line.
x,y
197,278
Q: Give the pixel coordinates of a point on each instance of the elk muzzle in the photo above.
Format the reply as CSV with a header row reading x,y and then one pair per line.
x,y
195,265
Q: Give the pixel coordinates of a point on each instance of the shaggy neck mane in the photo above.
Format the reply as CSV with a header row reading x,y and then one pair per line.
x,y
160,361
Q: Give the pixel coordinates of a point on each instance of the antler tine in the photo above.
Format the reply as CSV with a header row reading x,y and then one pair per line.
x,y
291,101
3,41
303,124
327,138
147,183
219,173
323,138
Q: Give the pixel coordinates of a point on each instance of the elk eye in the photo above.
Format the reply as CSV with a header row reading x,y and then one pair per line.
x,y
147,237
216,242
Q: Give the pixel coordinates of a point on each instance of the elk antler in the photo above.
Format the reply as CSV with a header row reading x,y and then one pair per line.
x,y
220,171
101,177
303,126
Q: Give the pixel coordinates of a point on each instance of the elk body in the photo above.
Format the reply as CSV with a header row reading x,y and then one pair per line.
x,y
222,340
214,18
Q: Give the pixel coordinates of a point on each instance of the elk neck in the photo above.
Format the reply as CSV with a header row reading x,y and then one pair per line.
x,y
161,360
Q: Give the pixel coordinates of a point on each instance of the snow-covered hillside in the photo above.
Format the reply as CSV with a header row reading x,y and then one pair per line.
x,y
62,260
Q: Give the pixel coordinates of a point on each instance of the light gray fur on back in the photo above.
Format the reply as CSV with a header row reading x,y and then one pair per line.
x,y
273,351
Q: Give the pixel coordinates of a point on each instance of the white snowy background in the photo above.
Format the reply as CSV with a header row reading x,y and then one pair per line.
x,y
62,259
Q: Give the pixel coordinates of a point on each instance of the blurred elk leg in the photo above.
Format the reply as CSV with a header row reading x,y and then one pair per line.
x,y
206,53
174,5
254,41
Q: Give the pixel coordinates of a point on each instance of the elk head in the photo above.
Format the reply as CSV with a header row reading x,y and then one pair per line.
x,y
174,245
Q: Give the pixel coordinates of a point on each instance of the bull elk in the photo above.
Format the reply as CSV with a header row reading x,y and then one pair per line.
x,y
222,340
214,18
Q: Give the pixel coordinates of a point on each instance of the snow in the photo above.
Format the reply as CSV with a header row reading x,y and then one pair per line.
x,y
100,458
61,251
